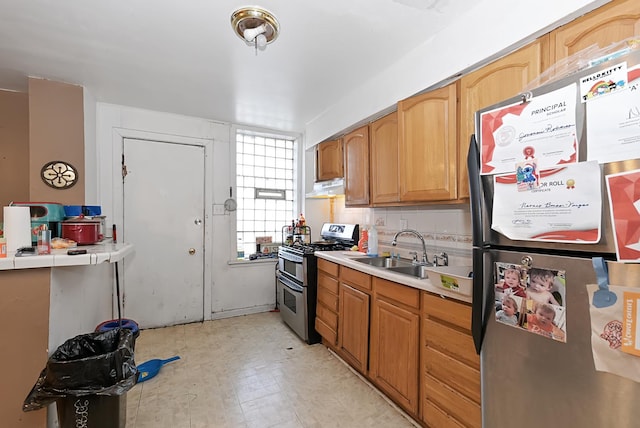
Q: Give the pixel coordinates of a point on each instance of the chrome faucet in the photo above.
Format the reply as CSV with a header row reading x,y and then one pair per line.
x,y
425,260
441,259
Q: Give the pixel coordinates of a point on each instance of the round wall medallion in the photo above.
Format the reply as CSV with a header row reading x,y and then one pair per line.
x,y
59,174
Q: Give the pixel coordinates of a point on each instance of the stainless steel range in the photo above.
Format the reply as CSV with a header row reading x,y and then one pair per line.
x,y
297,274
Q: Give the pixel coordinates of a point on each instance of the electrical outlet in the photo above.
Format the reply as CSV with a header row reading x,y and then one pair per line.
x,y
404,223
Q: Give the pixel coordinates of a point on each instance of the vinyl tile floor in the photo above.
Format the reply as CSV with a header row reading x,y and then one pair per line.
x,y
250,372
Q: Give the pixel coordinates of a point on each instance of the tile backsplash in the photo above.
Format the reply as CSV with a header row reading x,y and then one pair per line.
x,y
444,227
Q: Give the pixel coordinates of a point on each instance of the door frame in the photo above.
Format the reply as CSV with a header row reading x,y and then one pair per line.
x,y
117,202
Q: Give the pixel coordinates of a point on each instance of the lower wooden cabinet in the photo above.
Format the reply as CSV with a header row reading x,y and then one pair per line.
x,y
414,346
327,302
395,336
354,327
450,367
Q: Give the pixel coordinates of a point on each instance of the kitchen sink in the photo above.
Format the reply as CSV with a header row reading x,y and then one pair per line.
x,y
402,266
418,271
384,262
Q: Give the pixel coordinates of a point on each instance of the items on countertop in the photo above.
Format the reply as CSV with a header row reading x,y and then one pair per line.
x,y
372,247
363,243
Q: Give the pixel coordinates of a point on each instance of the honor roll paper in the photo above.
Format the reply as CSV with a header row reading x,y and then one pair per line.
x,y
565,207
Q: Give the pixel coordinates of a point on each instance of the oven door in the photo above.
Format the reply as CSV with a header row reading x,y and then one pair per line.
x,y
293,306
292,265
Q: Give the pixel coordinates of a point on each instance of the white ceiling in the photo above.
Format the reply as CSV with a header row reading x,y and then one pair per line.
x,y
183,56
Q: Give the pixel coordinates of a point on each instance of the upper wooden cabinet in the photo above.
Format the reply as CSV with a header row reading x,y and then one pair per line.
x,y
329,160
356,167
495,82
427,146
611,23
383,143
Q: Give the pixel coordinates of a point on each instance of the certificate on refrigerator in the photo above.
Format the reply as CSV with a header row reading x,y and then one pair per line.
x,y
624,199
613,123
543,128
565,207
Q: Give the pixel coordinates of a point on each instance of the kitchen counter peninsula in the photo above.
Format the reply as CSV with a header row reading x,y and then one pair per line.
x,y
98,253
347,258
47,299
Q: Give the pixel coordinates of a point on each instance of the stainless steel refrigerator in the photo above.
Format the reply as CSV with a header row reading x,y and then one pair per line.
x,y
528,379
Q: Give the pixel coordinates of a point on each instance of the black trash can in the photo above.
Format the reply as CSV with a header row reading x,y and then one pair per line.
x,y
92,411
88,376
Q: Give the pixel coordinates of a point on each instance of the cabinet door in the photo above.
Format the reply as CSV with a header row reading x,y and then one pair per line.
x,y
329,160
495,82
427,142
356,167
608,24
353,329
395,351
383,141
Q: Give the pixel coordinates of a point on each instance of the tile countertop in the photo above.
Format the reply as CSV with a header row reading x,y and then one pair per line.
x,y
346,258
98,253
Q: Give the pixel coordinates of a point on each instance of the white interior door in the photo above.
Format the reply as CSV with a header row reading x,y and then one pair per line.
x,y
164,220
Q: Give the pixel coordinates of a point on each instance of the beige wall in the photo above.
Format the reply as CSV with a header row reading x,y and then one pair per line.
x,y
56,132
14,147
24,329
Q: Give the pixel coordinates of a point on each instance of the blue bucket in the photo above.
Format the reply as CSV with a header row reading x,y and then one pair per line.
x,y
126,323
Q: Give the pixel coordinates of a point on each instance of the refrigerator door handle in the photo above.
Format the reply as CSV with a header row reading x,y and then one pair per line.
x,y
475,200
477,295
475,192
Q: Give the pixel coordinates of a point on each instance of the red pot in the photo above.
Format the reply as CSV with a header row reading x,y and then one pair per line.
x,y
84,232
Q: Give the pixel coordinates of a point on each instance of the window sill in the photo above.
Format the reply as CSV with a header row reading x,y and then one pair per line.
x,y
252,262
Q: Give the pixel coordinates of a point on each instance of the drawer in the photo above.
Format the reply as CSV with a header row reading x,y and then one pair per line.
x,y
328,283
451,341
451,311
398,292
457,375
434,416
328,267
327,332
328,316
355,278
458,406
328,299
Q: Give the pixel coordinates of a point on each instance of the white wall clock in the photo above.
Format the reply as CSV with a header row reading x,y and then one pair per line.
x,y
59,174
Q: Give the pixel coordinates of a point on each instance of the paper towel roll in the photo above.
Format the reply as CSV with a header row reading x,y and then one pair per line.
x,y
17,227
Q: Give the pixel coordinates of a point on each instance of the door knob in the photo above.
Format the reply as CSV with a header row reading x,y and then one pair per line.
x,y
192,251
197,222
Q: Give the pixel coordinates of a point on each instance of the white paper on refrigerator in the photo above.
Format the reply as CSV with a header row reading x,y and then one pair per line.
x,y
624,199
543,128
566,207
613,123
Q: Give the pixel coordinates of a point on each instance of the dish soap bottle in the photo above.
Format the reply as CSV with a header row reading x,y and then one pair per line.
x,y
372,248
362,243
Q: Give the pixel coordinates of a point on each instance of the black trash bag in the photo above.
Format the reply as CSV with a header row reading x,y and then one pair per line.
x,y
99,363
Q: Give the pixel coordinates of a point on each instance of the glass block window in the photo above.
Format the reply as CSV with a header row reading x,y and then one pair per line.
x,y
265,180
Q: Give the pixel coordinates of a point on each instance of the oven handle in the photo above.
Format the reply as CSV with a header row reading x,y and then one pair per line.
x,y
290,284
291,257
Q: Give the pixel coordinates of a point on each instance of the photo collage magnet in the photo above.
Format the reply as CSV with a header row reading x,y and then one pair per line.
x,y
531,299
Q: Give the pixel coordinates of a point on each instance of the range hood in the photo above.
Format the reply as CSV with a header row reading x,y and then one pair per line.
x,y
327,189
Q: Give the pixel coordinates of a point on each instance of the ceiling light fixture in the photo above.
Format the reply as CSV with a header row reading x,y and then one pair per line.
x,y
256,26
